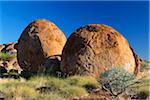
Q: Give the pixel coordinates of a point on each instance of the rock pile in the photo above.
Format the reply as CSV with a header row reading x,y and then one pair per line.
x,y
8,58
94,48
40,40
8,48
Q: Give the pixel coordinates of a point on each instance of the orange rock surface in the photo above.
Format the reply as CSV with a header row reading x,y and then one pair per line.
x,y
37,42
94,48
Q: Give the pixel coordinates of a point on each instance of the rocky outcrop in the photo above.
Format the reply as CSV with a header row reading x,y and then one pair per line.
x,y
8,48
8,58
1,46
40,40
94,48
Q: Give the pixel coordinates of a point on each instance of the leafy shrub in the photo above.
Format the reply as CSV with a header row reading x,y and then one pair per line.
x,y
116,80
5,56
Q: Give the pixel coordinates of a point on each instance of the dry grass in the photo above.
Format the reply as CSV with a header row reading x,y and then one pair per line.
x,y
45,87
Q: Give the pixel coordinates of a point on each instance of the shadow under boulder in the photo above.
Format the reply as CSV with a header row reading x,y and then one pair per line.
x,y
51,66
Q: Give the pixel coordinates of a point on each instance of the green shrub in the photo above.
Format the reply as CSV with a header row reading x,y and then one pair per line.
x,y
5,56
116,80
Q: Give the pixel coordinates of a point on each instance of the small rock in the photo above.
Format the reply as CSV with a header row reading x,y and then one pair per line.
x,y
46,89
2,97
13,71
11,61
9,48
131,94
1,47
2,70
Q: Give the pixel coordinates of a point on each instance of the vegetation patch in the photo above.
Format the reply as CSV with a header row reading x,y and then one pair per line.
x,y
5,56
49,87
145,66
44,86
116,80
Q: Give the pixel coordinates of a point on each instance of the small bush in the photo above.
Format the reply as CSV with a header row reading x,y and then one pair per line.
x,y
5,56
116,80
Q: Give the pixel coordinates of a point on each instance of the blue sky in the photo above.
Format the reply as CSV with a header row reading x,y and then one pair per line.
x,y
131,19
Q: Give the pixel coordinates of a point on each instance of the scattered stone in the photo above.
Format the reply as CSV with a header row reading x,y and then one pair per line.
x,y
9,48
2,97
10,62
45,89
94,48
27,74
2,70
131,94
37,42
13,71
97,94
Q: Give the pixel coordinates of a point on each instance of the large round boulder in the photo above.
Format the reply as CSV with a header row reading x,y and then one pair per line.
x,y
37,42
94,48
